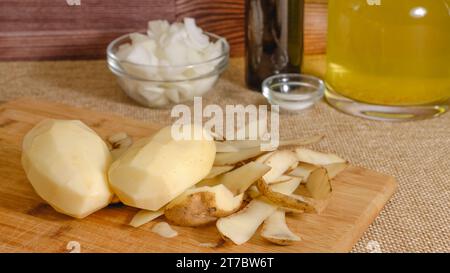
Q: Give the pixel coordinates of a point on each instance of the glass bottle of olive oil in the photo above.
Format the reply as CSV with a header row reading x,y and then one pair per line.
x,y
274,39
394,54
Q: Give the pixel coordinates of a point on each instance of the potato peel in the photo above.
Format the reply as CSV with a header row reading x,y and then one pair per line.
x,y
281,179
279,162
120,139
303,170
253,192
223,159
119,143
264,157
335,169
163,229
218,170
202,206
246,144
283,200
240,226
317,158
145,216
222,147
319,184
240,179
276,230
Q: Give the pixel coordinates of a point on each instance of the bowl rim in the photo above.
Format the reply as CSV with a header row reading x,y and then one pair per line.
x,y
225,53
313,96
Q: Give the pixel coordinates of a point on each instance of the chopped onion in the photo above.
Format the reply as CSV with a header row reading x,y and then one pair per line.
x,y
164,54
196,36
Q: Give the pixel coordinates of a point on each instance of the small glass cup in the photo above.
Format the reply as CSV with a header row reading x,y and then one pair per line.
x,y
293,92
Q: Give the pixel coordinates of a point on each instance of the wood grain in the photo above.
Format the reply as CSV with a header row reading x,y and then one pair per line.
x,y
51,29
316,20
226,18
27,224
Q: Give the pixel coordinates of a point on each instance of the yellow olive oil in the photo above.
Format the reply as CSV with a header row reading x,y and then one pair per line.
x,y
389,52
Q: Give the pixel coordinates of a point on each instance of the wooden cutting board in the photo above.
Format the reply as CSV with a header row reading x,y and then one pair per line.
x,y
28,224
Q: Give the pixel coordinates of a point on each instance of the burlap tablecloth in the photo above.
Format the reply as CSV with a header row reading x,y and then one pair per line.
x,y
417,219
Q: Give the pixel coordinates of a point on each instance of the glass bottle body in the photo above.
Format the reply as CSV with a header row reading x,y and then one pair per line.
x,y
274,39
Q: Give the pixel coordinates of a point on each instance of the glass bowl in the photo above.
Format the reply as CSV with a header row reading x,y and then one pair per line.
x,y
293,92
161,85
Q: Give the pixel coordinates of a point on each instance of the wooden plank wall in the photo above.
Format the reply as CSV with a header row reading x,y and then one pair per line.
x,y
53,29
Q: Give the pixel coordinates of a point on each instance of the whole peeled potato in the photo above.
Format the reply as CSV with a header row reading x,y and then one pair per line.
x,y
66,163
155,170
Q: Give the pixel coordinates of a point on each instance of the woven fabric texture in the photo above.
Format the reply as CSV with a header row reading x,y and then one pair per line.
x,y
417,154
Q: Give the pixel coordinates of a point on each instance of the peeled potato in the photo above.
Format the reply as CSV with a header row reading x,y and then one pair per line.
x,y
66,163
155,170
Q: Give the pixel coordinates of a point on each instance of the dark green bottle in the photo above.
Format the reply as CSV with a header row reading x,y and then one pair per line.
x,y
273,39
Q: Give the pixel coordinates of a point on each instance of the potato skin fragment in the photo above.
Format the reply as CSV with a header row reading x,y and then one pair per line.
x,y
283,200
196,209
319,184
143,217
276,230
241,226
